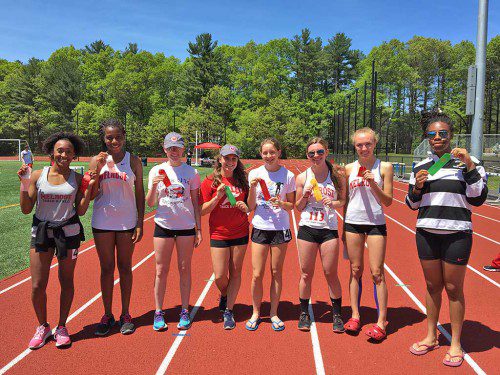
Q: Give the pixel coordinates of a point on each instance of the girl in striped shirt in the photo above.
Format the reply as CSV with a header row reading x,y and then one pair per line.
x,y
444,228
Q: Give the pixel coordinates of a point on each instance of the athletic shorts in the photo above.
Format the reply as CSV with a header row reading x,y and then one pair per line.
x,y
454,248
172,233
316,235
369,230
271,237
229,243
95,230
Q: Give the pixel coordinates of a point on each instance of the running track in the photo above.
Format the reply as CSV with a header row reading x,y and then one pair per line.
x,y
207,348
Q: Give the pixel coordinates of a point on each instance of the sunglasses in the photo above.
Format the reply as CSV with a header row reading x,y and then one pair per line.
x,y
311,154
443,134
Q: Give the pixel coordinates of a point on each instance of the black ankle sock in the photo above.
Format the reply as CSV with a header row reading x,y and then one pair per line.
x,y
304,305
45,324
336,305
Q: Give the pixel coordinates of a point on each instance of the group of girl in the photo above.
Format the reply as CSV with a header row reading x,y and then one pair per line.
x,y
228,195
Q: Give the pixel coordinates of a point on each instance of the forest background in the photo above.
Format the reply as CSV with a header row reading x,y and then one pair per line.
x,y
291,89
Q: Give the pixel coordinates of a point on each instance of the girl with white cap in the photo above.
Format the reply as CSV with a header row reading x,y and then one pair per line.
x,y
174,187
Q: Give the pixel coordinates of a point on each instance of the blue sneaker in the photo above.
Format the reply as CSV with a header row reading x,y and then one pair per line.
x,y
159,321
185,321
229,322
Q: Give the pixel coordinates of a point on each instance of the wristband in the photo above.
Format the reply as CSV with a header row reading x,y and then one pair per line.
x,y
85,182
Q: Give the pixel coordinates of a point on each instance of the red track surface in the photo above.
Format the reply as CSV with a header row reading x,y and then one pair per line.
x,y
209,349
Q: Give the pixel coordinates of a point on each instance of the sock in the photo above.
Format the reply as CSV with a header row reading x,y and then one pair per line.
x,y
304,305
45,324
336,305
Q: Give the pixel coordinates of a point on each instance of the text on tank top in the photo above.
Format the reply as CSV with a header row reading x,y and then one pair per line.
x,y
315,214
55,203
115,206
364,206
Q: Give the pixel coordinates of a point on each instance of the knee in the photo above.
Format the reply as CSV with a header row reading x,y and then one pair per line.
x,y
433,288
107,268
234,273
66,283
356,271
378,276
453,291
184,268
124,268
161,271
306,277
257,275
219,277
276,274
38,288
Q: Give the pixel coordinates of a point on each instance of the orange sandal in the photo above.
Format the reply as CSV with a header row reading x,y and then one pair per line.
x,y
376,333
352,325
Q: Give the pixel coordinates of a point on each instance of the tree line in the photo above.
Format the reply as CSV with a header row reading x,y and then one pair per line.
x,y
292,89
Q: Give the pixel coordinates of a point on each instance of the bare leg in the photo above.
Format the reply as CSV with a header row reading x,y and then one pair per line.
x,y
376,254
40,269
105,246
163,255
355,249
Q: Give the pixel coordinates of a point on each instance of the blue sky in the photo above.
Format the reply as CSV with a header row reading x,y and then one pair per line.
x,y
37,28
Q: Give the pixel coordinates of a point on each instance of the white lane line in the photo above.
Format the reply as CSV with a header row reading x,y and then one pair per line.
x,y
473,213
16,360
175,345
468,266
445,333
467,357
52,266
318,358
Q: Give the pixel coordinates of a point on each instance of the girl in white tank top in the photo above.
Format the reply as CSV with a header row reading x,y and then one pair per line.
x,y
318,228
56,228
117,220
370,187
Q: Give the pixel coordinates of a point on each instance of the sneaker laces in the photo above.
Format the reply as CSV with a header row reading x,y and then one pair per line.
x,y
126,318
158,316
228,314
40,330
105,319
62,331
185,315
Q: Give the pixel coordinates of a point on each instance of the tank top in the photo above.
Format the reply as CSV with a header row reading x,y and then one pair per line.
x,y
55,203
115,207
364,207
315,214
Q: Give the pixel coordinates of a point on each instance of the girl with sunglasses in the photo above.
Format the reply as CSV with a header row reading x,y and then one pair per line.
x,y
174,186
444,230
370,187
271,227
320,190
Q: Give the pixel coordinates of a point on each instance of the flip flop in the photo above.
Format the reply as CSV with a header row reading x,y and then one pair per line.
x,y
428,348
276,326
450,363
352,325
256,322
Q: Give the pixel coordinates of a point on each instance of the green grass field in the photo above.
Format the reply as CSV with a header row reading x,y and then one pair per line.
x,y
15,227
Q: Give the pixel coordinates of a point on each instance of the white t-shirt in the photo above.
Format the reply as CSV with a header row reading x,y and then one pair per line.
x,y
280,183
175,209
27,156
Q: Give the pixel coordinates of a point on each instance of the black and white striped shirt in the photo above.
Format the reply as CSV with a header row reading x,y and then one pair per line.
x,y
446,198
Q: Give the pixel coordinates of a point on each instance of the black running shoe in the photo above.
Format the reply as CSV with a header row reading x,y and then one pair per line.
x,y
223,303
229,322
338,324
304,322
126,325
107,322
491,269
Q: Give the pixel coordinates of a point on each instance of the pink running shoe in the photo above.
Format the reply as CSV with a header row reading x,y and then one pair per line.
x,y
41,336
62,337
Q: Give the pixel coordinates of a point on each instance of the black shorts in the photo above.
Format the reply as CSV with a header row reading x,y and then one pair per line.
x,y
454,248
172,233
316,235
95,230
271,237
229,243
369,230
